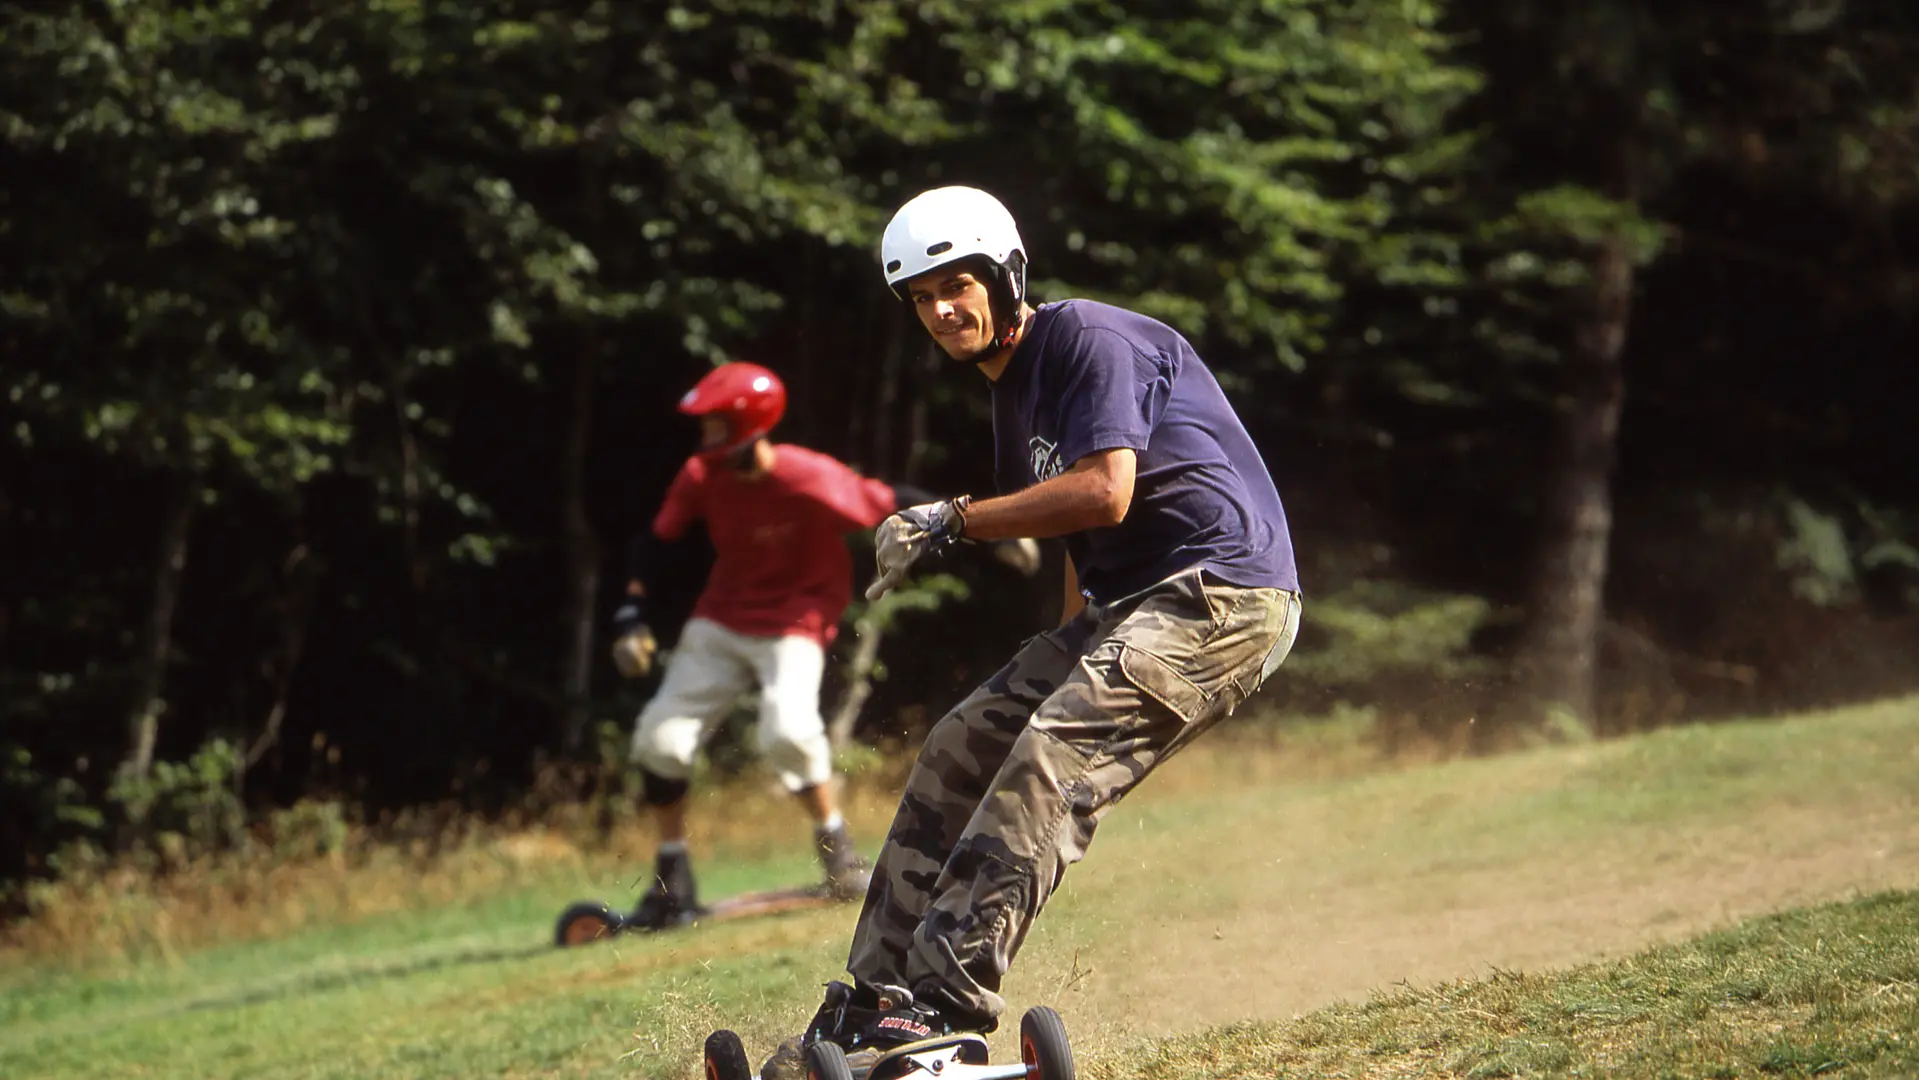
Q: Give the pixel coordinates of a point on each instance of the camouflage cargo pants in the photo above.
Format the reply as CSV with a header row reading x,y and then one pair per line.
x,y
1011,784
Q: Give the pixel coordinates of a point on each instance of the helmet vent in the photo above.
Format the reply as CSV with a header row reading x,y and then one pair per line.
x,y
940,248
893,267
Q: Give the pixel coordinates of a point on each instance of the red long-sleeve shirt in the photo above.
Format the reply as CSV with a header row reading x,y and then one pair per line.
x,y
781,566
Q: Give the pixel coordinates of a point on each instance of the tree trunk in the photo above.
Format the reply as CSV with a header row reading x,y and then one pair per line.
x,y
581,545
410,491
883,462
296,607
859,683
919,440
1569,589
887,464
156,636
582,550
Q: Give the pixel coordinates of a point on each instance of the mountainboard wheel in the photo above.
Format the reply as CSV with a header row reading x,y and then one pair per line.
x,y
586,921
826,1061
726,1057
1043,1046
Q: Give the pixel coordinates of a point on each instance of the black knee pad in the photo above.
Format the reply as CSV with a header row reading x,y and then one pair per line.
x,y
657,790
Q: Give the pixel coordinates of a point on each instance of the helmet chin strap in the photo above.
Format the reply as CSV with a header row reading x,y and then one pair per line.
x,y
1005,292
1012,332
1002,342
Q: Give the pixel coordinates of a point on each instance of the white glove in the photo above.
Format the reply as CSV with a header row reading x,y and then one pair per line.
x,y
1022,555
901,539
634,651
633,643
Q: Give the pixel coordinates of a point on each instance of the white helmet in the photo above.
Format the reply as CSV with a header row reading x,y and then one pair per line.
x,y
947,224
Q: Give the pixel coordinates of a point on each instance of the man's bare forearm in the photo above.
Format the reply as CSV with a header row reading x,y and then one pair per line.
x,y
1094,493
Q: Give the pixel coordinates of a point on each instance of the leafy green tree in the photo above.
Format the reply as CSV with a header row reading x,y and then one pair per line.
x,y
1598,119
143,312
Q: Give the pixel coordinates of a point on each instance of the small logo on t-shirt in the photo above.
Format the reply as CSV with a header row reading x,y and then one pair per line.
x,y
1044,457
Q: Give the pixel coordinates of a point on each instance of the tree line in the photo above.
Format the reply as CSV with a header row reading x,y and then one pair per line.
x,y
341,340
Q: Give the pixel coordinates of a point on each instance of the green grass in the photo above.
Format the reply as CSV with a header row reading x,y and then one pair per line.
x,y
448,992
1226,891
1827,991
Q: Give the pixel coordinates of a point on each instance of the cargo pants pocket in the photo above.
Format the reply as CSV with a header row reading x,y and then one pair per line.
x,y
1153,676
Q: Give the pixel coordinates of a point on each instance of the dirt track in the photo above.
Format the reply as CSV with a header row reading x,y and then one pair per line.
x,y
1321,915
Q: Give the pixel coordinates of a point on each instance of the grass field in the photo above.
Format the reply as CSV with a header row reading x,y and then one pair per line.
x,y
1827,991
1224,908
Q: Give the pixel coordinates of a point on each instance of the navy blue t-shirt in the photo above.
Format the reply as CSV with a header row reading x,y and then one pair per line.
x,y
1088,377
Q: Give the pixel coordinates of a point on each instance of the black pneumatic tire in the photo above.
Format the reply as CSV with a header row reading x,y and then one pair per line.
x,y
1043,1046
726,1057
826,1061
586,921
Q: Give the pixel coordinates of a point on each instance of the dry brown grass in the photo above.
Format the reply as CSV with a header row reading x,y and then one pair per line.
x,y
132,907
439,857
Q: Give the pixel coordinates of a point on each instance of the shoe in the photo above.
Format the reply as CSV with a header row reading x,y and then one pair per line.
x,y
846,874
673,900
789,1059
866,1024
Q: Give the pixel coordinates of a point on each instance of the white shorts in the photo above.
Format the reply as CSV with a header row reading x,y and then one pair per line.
x,y
708,671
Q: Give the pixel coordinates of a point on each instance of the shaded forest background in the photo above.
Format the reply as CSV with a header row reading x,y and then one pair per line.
x,y
341,344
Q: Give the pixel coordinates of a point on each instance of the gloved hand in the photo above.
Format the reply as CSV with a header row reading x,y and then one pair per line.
x,y
634,645
903,538
629,616
1021,555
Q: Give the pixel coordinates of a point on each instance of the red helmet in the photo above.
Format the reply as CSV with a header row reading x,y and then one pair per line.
x,y
748,397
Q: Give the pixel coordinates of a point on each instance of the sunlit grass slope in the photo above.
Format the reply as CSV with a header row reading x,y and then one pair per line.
x,y
1231,890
